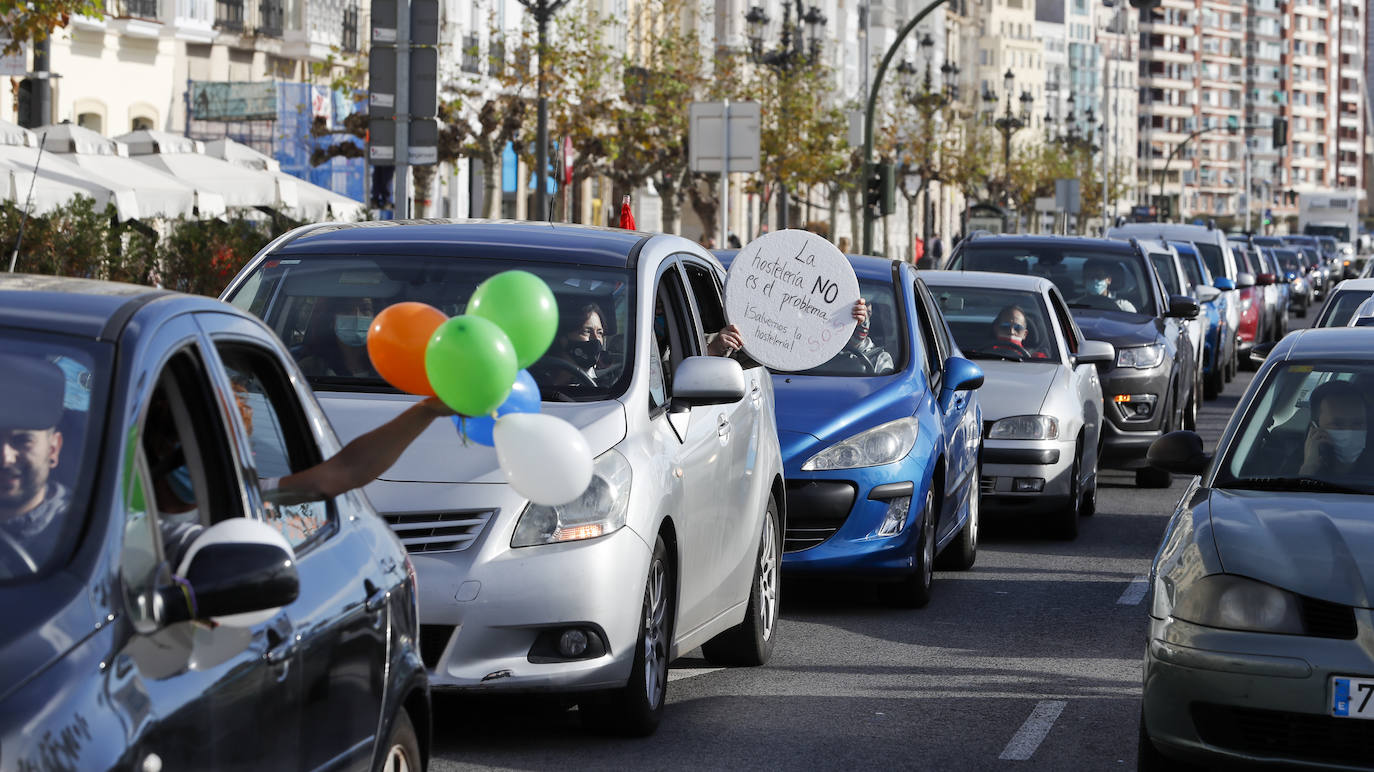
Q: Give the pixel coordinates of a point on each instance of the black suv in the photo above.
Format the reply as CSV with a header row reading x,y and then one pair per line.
x,y
1115,296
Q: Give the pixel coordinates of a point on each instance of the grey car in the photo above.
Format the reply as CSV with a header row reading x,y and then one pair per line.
x,y
1260,617
1042,426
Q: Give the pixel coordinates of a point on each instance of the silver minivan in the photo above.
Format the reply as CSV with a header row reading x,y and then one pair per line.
x,y
677,542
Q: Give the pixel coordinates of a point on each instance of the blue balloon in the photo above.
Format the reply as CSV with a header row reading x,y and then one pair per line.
x,y
524,398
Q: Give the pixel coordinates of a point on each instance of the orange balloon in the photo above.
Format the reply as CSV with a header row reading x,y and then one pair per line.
x,y
396,344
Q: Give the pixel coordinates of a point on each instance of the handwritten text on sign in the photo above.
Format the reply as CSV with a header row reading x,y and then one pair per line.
x,y
791,293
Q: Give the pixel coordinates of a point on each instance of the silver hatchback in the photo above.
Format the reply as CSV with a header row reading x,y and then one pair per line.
x,y
675,544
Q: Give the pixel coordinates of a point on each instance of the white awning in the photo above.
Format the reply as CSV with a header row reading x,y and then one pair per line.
x,y
313,202
240,187
58,182
159,194
14,134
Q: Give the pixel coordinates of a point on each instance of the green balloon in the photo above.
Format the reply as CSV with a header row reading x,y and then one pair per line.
x,y
523,305
471,365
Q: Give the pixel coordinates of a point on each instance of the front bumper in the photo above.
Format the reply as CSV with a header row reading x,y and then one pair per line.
x,y
1219,697
1126,434
1007,461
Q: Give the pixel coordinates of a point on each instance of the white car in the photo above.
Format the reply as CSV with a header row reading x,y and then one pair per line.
x,y
1041,397
677,542
1345,300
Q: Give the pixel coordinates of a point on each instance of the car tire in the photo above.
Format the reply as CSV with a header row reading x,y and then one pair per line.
x,y
914,591
1213,384
1152,477
963,553
402,749
636,709
1063,524
750,643
1194,404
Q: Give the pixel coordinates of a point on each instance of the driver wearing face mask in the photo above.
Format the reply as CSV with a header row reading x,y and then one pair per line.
x,y
1338,438
338,339
860,344
584,341
1097,285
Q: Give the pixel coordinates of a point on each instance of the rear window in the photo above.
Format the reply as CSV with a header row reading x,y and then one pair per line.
x,y
321,306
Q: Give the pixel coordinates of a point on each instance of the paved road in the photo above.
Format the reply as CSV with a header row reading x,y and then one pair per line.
x,y
1029,661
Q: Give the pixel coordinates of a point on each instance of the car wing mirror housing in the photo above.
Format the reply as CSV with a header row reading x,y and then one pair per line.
x,y
1224,284
1266,279
1206,294
960,375
237,576
707,380
1261,351
1182,307
1180,453
1245,279
1095,352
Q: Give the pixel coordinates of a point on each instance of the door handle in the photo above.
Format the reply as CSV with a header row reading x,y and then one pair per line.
x,y
723,426
756,393
376,596
281,645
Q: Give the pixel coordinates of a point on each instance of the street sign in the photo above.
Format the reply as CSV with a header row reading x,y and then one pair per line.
x,y
1045,204
424,142
1067,195
424,23
15,64
381,80
424,82
707,141
381,146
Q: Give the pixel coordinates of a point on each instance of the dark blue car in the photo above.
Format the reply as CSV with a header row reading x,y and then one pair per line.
x,y
1208,295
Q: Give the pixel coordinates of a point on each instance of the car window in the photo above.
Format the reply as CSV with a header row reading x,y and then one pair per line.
x,y
279,437
1212,256
925,322
675,335
322,305
706,293
1163,263
52,396
1072,335
1342,307
1077,270
998,323
1192,269
881,348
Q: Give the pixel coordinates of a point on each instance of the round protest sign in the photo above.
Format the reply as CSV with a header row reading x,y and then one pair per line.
x,y
791,293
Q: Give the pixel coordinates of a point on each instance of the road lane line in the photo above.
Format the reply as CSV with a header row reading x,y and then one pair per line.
x,y
1135,591
678,674
1034,731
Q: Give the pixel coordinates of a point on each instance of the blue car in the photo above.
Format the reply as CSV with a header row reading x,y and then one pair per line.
x,y
1208,294
880,445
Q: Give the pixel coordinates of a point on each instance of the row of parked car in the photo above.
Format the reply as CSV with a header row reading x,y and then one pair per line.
x,y
1004,381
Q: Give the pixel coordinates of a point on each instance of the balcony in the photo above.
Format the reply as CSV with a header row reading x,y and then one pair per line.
x,y
229,15
136,9
271,18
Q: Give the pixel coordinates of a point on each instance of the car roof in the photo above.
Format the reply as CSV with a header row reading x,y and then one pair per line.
x,y
1325,343
1011,281
1355,284
1148,244
69,306
865,267
1167,230
1046,240
495,239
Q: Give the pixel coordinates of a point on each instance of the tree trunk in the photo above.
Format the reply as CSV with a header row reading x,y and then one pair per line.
x,y
423,178
705,201
669,195
491,186
855,198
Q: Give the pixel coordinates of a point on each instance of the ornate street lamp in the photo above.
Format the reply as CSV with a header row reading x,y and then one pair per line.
x,y
543,11
928,99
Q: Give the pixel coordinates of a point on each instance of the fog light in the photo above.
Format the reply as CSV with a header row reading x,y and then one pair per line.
x,y
1143,408
1028,484
895,519
572,643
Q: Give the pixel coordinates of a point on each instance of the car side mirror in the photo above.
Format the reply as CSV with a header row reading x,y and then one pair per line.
x,y
1224,284
1245,279
1093,352
706,380
1206,294
1266,279
1182,307
1261,351
237,572
1179,453
960,375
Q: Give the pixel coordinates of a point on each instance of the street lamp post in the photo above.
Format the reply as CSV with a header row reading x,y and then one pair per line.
x,y
797,47
928,100
1008,124
543,11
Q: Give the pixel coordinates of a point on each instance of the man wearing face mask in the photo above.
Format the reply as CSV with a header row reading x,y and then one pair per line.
x,y
1097,283
338,339
1338,438
32,504
1010,331
860,344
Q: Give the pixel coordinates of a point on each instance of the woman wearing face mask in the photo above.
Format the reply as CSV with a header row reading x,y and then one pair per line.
x,y
1337,442
338,339
583,341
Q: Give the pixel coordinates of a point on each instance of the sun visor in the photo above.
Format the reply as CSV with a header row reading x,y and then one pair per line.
x,y
31,393
363,280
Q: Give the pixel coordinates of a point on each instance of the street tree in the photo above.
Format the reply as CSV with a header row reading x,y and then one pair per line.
x,y
34,20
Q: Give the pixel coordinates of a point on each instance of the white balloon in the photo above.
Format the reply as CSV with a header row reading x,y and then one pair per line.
x,y
545,459
238,530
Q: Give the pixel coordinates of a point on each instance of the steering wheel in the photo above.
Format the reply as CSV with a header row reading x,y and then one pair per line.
x,y
552,366
14,558
1100,302
864,365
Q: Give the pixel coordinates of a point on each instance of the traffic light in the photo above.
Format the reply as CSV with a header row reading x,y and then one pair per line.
x,y
880,193
1280,131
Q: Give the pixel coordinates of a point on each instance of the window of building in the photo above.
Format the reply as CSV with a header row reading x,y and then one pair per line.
x,y
91,121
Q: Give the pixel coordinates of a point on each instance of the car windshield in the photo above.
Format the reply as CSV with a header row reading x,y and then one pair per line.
x,y
322,306
1342,307
998,323
1306,430
1164,266
1289,260
47,439
881,348
1211,255
1089,276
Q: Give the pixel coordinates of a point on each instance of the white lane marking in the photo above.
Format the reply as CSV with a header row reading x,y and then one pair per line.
x,y
1034,731
677,674
1135,591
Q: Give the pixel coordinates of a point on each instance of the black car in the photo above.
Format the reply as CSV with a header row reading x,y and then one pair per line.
x,y
161,612
1150,389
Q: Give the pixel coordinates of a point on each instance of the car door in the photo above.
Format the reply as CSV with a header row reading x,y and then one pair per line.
x,y
1087,387
690,439
960,430
741,496
219,697
339,648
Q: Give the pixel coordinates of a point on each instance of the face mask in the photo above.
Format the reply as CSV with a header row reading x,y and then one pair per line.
x,y
585,352
179,480
351,329
1098,286
1349,443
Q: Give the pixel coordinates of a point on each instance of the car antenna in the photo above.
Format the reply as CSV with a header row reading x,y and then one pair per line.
x,y
28,201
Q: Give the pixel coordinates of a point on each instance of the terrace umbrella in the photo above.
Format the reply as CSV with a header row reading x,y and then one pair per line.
x,y
313,202
185,159
53,180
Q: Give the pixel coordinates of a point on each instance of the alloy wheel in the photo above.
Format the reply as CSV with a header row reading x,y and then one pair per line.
x,y
768,577
396,760
928,540
655,634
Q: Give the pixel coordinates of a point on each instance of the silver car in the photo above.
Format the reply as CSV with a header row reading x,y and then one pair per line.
x,y
1041,396
1260,618
677,542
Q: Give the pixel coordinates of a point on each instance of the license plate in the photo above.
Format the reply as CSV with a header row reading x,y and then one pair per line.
x,y
1352,697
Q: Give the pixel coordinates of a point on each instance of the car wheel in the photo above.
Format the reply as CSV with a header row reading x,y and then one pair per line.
x,y
914,591
1064,523
961,555
635,709
1194,398
750,643
1214,383
402,752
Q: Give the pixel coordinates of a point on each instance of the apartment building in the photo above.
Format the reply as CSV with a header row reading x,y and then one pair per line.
x,y
1007,42
1117,31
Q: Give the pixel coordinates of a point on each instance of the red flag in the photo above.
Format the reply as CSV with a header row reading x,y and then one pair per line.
x,y
627,218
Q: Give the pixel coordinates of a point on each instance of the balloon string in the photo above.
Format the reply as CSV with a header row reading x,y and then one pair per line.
x,y
463,429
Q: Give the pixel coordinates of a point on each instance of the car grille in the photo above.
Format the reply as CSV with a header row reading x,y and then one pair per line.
x,y
438,531
433,640
987,484
1328,620
1290,735
815,511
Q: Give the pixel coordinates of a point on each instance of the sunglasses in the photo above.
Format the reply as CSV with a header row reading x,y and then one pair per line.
x,y
1012,326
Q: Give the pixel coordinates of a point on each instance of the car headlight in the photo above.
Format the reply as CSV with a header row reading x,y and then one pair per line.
x,y
1236,603
600,510
1026,427
1140,357
880,445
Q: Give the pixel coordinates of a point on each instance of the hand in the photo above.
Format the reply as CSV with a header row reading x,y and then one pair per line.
x,y
729,339
860,310
1316,451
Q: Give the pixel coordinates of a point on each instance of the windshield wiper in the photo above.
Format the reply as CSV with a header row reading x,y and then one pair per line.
x,y
1291,483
